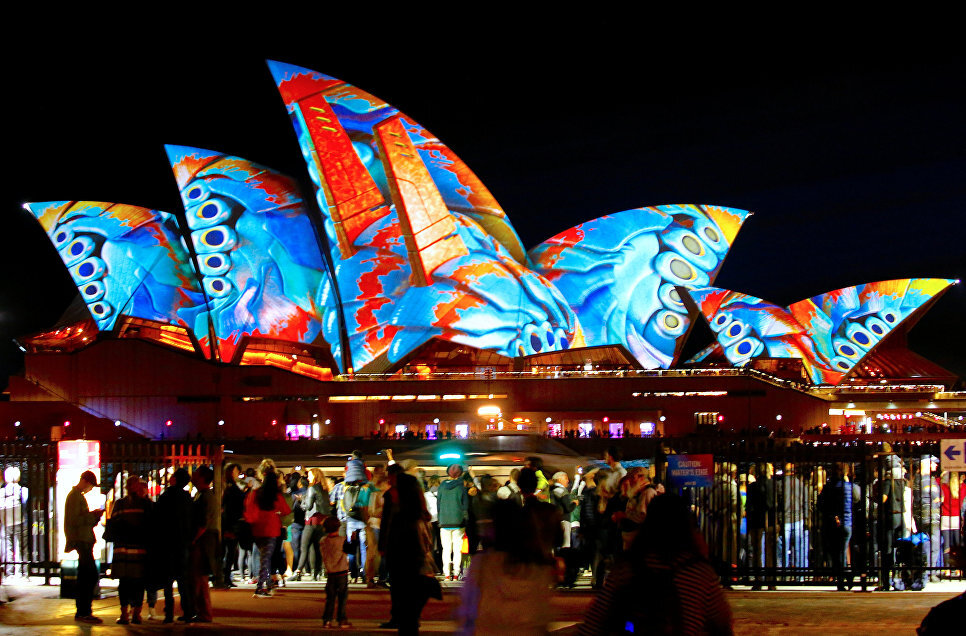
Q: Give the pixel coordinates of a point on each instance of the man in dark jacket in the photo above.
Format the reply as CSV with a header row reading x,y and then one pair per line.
x,y
79,522
173,514
454,505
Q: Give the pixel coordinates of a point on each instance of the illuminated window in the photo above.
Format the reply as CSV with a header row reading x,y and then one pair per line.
x,y
462,431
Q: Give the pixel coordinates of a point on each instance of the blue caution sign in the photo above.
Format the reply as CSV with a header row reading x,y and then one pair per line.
x,y
690,470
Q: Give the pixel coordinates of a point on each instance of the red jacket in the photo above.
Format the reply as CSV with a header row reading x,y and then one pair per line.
x,y
265,523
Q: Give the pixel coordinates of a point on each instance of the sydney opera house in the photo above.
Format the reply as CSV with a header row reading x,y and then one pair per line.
x,y
397,297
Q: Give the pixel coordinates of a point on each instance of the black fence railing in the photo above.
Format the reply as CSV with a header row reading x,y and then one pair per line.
x,y
774,513
26,501
844,514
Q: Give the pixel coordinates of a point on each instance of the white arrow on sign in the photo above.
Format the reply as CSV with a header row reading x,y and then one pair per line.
x,y
953,454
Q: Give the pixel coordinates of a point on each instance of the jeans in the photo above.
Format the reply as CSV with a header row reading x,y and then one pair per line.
x,y
295,538
266,546
452,540
336,589
795,552
86,578
311,535
838,541
358,528
230,558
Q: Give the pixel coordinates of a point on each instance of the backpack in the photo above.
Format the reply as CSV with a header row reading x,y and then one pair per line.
x,y
350,502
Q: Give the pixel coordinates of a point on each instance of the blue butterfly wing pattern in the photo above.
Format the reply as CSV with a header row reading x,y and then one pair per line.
x,y
261,265
831,333
620,273
124,259
847,324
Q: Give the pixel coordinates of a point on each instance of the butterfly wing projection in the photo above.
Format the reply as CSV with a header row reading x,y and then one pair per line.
x,y
421,249
261,266
620,273
830,333
124,259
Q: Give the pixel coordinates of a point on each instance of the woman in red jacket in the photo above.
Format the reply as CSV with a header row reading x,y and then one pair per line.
x,y
264,508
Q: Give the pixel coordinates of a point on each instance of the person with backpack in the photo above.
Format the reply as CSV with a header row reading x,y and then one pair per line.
x,y
350,498
453,513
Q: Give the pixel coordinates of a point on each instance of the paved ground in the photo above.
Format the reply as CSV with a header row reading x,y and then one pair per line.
x,y
35,609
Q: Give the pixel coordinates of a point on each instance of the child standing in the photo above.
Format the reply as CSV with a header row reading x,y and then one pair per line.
x,y
336,570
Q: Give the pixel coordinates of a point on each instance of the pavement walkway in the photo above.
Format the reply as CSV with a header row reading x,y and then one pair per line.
x,y
296,610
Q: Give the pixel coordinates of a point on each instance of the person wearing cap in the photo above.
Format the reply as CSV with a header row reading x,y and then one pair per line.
x,y
79,522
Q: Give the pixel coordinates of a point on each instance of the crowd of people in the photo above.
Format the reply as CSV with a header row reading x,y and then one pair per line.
x,y
835,519
393,525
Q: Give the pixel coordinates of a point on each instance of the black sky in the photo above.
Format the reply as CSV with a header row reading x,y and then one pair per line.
x,y
852,156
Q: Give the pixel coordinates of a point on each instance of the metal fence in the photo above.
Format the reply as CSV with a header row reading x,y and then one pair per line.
x,y
29,516
830,514
26,508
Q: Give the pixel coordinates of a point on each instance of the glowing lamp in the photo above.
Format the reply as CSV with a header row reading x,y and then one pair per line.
x,y
67,423
168,423
274,422
450,456
117,422
17,423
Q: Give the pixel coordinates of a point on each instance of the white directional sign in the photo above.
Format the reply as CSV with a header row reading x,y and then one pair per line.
x,y
952,454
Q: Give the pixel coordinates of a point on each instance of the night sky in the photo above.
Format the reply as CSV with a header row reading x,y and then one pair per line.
x,y
852,157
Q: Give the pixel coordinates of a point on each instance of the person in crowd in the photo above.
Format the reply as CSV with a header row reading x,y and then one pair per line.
x,y
510,490
926,506
169,558
612,457
350,498
760,513
13,501
498,595
560,497
545,516
355,467
247,554
380,484
794,534
636,492
949,514
454,505
263,509
482,512
725,513
432,505
891,508
665,584
316,507
336,574
283,549
79,522
590,527
405,538
130,531
471,540
298,486
835,506
203,553
535,464
232,509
